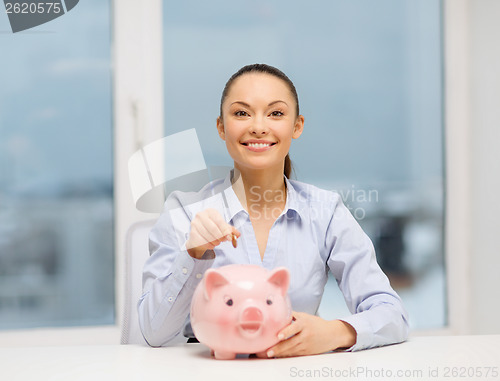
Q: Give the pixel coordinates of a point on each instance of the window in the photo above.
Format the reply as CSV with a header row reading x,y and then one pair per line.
x,y
370,85
369,81
56,172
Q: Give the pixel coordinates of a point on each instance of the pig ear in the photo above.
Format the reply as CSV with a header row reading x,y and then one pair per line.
x,y
213,279
280,277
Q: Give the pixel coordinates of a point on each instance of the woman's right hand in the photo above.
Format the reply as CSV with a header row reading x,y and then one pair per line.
x,y
208,230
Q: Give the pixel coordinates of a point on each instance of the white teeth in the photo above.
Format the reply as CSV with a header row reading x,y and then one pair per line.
x,y
259,145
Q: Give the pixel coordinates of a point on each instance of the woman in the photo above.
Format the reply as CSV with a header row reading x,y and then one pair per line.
x,y
276,222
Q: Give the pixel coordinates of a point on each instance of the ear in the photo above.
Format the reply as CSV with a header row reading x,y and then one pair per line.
x,y
213,280
220,128
298,127
280,277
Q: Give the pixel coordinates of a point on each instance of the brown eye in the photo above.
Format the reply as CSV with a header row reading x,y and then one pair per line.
x,y
269,302
240,113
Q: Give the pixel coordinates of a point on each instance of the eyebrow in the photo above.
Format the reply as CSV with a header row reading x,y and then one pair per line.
x,y
247,105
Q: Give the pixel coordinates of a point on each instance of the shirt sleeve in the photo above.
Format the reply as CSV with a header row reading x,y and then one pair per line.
x,y
378,315
170,276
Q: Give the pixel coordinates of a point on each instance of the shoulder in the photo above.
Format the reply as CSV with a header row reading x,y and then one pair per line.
x,y
313,195
315,204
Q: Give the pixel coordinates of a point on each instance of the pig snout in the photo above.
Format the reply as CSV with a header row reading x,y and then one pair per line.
x,y
251,314
251,320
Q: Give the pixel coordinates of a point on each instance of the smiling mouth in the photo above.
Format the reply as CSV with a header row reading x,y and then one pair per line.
x,y
258,145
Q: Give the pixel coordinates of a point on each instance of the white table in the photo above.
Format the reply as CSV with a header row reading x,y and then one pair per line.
x,y
421,358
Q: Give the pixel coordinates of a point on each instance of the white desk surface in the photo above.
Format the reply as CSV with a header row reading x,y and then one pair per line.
x,y
420,358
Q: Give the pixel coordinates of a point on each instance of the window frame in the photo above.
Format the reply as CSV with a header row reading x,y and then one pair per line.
x,y
457,132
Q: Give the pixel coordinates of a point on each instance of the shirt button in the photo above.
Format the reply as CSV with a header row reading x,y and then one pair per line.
x,y
184,270
170,299
198,276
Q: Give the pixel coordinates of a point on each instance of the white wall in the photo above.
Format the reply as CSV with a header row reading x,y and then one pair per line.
x,y
472,88
484,50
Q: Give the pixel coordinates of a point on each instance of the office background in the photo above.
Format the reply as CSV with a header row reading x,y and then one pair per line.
x,y
385,86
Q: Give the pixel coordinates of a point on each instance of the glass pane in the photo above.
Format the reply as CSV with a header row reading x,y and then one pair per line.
x,y
369,80
56,172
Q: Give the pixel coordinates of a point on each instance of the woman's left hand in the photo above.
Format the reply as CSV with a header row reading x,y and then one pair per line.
x,y
310,335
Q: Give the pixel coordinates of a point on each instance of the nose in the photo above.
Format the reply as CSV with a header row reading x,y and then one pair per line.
x,y
251,314
259,127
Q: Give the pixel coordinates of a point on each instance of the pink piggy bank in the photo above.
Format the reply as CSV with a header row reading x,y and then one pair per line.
x,y
240,309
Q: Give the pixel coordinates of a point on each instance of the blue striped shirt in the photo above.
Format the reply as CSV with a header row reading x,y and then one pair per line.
x,y
314,234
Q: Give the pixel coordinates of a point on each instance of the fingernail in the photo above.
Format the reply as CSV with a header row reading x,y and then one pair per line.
x,y
270,353
281,336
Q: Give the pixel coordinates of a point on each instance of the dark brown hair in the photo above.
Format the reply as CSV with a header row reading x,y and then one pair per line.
x,y
266,69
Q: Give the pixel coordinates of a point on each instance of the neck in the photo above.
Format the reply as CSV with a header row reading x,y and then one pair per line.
x,y
259,190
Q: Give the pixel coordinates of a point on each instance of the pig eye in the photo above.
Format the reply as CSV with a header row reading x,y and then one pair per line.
x,y
228,301
269,300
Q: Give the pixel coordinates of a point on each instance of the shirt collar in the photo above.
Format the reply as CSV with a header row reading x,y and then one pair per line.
x,y
293,200
233,207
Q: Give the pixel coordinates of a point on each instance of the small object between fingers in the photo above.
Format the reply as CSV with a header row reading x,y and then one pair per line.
x,y
235,243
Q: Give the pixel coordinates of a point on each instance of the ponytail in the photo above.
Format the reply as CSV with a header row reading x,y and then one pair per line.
x,y
288,166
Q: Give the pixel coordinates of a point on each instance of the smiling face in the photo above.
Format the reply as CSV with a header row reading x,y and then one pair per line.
x,y
259,121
